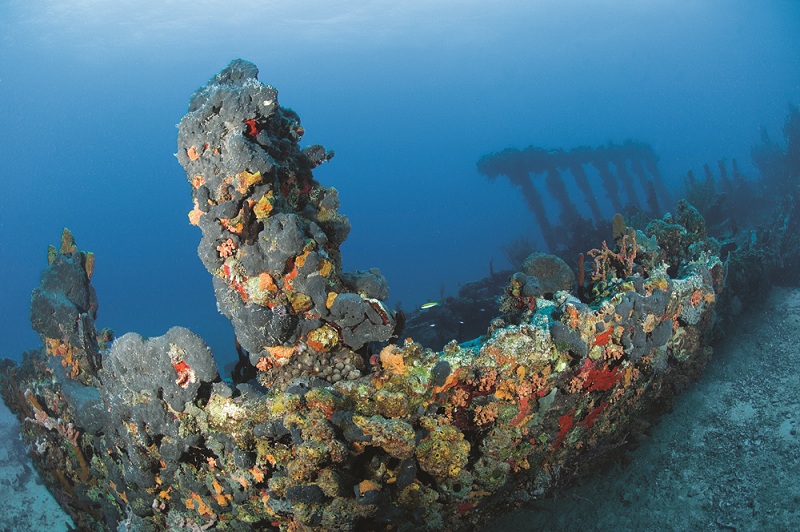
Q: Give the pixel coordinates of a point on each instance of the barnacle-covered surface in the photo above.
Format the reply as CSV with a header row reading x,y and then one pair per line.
x,y
145,434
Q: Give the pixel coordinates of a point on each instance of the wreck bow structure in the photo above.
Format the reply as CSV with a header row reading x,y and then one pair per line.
x,y
144,434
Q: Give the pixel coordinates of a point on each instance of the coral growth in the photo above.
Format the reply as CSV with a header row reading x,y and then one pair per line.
x,y
271,233
145,434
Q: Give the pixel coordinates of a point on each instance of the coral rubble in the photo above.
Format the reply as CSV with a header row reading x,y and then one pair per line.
x,y
145,434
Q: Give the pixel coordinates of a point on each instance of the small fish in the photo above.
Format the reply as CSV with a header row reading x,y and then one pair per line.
x,y
429,304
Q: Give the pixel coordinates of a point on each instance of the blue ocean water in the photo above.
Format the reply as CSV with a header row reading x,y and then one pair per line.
x,y
409,95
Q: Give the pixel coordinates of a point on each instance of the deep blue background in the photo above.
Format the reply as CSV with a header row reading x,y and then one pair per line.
x,y
409,95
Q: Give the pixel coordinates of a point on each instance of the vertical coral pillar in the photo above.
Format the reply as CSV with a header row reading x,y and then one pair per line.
x,y
271,234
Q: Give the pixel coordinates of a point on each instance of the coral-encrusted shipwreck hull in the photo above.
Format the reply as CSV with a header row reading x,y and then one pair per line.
x,y
145,432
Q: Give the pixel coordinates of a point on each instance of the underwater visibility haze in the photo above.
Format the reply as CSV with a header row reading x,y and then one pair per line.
x,y
409,97
456,251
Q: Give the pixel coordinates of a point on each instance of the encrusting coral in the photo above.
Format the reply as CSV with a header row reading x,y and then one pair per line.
x,y
271,233
144,434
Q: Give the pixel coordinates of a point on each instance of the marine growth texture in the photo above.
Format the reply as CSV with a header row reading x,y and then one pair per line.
x,y
144,434
271,234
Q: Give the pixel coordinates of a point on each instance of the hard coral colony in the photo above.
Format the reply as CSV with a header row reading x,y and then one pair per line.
x,y
143,433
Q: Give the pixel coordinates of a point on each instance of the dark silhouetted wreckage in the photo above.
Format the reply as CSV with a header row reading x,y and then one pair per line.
x,y
620,175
